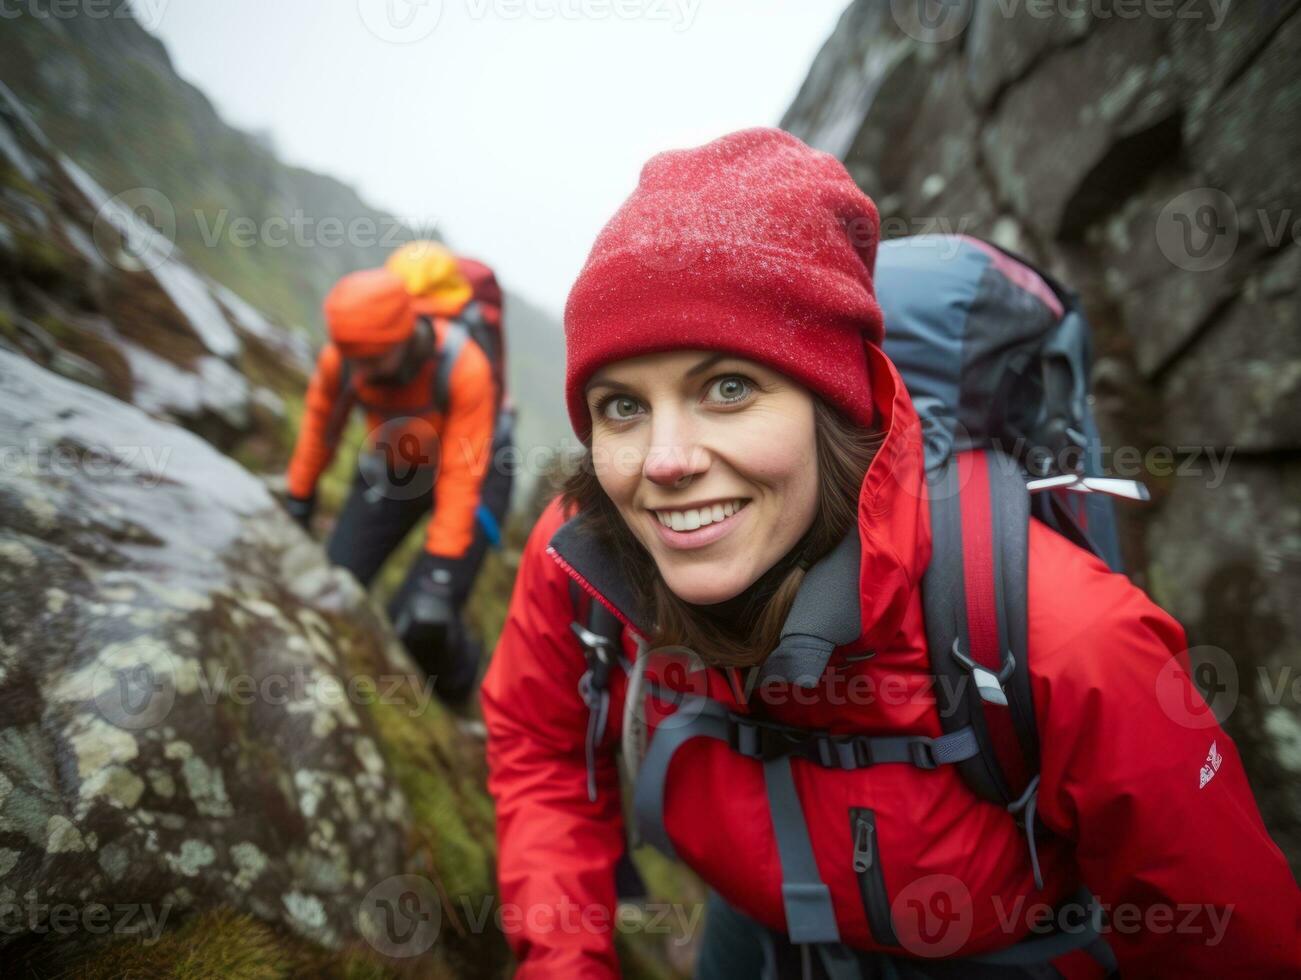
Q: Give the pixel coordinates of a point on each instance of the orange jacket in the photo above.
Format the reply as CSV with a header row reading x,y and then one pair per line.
x,y
460,441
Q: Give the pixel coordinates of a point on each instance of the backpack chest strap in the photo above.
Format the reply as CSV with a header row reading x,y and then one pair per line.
x,y
764,740
810,917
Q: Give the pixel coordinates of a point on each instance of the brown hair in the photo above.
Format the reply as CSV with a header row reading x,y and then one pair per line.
x,y
844,452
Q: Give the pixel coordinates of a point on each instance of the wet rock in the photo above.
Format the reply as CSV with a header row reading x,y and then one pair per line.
x,y
1212,51
94,285
178,727
1240,384
1058,149
1003,46
843,81
1241,143
1226,557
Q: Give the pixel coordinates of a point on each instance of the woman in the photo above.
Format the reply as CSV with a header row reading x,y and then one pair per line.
x,y
742,423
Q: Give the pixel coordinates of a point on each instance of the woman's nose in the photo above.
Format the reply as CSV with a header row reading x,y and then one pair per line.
x,y
675,454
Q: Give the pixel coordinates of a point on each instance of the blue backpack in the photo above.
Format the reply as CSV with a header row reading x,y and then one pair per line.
x,y
996,356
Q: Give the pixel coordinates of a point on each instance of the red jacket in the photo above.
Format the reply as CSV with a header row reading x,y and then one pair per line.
x,y
1121,790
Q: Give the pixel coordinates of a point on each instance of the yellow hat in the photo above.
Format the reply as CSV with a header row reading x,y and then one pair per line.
x,y
429,270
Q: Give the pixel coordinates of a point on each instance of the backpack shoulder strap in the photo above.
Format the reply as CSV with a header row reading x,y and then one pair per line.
x,y
601,637
344,399
599,632
453,343
974,594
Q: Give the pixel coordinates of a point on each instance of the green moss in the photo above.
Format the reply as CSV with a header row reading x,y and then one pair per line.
x,y
40,260
438,803
11,179
668,881
219,945
442,776
1158,586
638,962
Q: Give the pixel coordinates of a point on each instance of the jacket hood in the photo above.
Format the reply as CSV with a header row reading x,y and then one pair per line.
x,y
874,571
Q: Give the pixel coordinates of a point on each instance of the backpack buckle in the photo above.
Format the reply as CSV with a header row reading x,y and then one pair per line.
x,y
598,644
923,754
762,740
988,684
776,742
600,661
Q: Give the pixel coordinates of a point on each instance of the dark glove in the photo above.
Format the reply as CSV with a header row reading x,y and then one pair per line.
x,y
301,510
423,612
427,620
425,598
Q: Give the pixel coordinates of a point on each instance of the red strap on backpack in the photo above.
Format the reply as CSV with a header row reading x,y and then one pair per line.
x,y
974,594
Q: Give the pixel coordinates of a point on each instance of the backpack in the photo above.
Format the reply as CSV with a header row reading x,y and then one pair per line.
x,y
995,355
462,289
482,317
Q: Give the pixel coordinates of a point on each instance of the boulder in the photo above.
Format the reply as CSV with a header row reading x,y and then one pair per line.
x,y
197,713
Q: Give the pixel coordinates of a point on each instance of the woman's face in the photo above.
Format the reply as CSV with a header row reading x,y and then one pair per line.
x,y
710,460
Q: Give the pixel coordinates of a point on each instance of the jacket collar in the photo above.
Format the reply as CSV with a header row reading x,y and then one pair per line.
x,y
873,572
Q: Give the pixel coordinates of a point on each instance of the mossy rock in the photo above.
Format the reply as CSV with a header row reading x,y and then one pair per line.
x,y
145,754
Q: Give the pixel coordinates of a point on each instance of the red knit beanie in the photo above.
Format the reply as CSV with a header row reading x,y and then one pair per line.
x,y
753,244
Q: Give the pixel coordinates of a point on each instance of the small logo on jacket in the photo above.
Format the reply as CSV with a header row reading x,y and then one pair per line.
x,y
1211,766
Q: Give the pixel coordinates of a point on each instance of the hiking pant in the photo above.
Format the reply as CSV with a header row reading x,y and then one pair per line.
x,y
374,522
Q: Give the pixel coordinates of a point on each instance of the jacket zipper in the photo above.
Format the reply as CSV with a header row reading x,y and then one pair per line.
x,y
871,880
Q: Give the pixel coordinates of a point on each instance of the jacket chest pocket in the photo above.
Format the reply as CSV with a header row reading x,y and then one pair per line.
x,y
871,879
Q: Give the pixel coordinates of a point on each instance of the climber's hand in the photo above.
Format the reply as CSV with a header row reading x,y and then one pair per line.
x,y
301,510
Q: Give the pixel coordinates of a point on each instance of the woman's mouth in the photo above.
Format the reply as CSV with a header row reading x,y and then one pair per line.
x,y
683,528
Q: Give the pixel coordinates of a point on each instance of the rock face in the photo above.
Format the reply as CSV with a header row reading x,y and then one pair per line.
x,y
1149,158
175,729
95,293
196,712
106,93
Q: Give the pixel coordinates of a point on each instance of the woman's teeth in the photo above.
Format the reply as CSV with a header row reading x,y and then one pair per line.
x,y
691,520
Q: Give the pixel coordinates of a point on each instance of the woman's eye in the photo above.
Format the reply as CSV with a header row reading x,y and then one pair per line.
x,y
619,408
732,388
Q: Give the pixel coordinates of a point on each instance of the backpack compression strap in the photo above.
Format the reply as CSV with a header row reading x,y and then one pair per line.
x,y
974,594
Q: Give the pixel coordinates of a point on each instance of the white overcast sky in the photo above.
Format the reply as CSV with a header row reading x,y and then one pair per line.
x,y
517,126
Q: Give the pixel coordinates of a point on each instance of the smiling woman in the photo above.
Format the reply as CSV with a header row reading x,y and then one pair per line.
x,y
847,670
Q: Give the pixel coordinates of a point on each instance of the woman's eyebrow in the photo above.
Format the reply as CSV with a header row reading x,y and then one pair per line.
x,y
709,361
600,379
